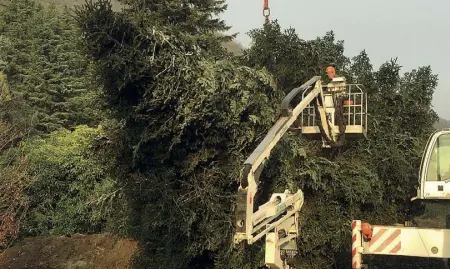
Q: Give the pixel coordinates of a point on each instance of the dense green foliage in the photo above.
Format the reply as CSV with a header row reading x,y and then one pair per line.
x,y
69,180
366,175
13,201
179,117
185,144
39,52
46,89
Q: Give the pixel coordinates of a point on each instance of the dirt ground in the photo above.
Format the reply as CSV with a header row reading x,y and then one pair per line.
x,y
75,252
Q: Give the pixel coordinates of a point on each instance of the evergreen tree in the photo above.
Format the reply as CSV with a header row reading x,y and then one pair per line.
x,y
269,48
40,54
77,190
198,19
189,122
45,86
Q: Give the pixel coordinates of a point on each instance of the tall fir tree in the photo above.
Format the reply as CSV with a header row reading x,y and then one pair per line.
x,y
198,19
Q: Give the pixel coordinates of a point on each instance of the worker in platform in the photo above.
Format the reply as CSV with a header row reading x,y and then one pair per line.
x,y
331,71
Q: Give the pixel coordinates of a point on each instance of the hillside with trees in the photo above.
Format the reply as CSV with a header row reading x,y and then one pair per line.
x,y
135,123
442,123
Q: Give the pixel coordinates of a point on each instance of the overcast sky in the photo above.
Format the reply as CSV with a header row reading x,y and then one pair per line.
x,y
415,31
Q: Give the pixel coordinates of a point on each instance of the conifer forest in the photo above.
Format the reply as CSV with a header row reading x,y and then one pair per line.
x,y
132,119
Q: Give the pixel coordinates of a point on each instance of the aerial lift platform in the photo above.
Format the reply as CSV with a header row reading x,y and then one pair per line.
x,y
331,113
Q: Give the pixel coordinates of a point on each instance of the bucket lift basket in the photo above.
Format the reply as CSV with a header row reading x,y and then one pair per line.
x,y
354,112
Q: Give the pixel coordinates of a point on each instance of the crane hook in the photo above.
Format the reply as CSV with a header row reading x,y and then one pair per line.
x,y
266,11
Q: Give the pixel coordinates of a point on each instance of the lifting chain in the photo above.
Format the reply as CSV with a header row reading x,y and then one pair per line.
x,y
266,11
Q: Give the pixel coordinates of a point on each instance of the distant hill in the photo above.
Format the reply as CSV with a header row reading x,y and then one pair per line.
x,y
234,47
442,123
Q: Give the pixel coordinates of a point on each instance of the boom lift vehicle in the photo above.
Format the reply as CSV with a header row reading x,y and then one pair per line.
x,y
434,187
330,113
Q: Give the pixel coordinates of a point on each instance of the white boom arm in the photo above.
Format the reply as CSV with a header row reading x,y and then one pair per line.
x,y
278,218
